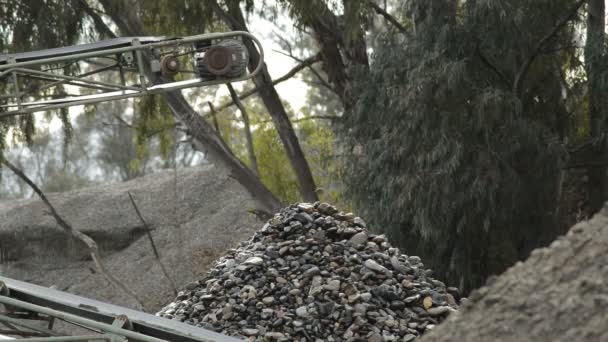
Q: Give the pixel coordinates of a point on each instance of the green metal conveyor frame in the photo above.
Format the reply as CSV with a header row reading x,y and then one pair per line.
x,y
25,304
129,54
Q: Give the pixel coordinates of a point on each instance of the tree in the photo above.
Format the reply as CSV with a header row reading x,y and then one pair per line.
x,y
595,65
234,18
455,141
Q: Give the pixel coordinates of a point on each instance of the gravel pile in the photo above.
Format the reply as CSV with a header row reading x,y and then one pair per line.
x,y
313,273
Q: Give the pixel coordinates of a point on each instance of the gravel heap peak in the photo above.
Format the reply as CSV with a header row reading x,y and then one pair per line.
x,y
314,273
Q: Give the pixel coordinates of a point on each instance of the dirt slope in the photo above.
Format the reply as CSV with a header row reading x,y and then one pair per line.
x,y
196,216
559,294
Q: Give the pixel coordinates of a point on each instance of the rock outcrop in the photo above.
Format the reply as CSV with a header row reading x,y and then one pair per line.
x,y
195,217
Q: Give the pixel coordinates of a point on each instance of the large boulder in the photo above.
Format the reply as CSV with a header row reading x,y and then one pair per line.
x,y
195,217
559,294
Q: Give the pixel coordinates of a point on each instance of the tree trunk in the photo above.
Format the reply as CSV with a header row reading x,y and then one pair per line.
x,y
340,50
236,21
204,136
594,53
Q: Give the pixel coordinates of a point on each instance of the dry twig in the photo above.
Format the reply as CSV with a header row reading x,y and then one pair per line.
x,y
76,234
152,243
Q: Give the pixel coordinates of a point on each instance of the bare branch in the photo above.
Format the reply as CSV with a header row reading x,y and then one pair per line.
x,y
492,67
76,234
521,74
154,249
123,121
305,63
311,117
97,20
214,117
387,16
322,81
285,42
248,137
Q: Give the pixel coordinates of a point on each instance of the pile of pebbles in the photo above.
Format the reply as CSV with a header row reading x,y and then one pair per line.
x,y
313,273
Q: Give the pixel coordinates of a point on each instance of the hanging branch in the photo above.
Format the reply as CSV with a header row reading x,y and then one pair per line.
x,y
248,137
76,234
521,74
153,244
214,118
305,63
310,67
387,16
492,67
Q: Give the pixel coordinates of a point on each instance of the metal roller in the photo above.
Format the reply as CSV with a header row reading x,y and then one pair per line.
x,y
226,59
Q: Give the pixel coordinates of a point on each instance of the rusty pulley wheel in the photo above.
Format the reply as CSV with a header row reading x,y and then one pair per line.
x,y
218,60
226,59
169,65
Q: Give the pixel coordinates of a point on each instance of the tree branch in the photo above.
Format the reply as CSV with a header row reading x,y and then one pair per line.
x,y
76,234
322,81
97,20
521,74
387,16
154,249
214,117
492,67
311,117
305,63
249,139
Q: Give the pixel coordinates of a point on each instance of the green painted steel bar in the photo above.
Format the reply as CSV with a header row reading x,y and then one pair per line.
x,y
28,107
24,71
56,83
140,66
67,338
27,325
16,86
179,41
130,92
106,313
69,317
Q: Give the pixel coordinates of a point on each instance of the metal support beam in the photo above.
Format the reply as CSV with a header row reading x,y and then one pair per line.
x,y
98,315
27,64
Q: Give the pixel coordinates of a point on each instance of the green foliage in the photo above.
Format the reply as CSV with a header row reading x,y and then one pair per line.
x,y
175,17
317,141
275,170
39,24
442,155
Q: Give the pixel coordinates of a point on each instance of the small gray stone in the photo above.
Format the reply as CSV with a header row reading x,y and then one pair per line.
x,y
398,266
306,207
375,338
250,332
254,261
359,222
274,335
333,285
358,239
268,300
311,272
302,311
374,266
303,217
440,310
408,338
